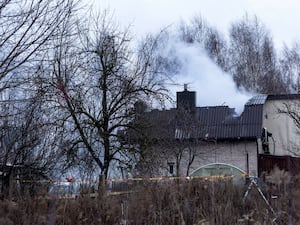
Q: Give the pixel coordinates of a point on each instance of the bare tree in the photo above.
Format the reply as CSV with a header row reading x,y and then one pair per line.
x,y
199,32
253,62
184,141
272,80
97,79
26,27
24,139
290,67
167,142
291,108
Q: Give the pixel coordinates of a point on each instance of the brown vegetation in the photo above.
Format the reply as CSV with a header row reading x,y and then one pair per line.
x,y
191,202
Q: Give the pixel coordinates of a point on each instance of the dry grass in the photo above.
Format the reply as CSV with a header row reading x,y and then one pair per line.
x,y
193,202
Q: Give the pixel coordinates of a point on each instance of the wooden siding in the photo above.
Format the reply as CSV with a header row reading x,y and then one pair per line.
x,y
266,163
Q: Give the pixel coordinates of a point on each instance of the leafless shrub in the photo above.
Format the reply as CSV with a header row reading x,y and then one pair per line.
x,y
192,202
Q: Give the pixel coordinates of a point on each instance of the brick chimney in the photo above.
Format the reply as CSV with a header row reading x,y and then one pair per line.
x,y
186,99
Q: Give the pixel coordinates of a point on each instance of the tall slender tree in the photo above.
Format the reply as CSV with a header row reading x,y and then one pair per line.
x,y
253,62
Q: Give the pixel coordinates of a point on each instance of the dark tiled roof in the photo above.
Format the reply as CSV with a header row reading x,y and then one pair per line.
x,y
217,122
222,122
257,100
251,121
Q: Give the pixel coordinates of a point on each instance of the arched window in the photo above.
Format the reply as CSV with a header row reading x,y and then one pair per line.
x,y
219,169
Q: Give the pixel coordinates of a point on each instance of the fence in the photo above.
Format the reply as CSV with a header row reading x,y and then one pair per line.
x,y
266,163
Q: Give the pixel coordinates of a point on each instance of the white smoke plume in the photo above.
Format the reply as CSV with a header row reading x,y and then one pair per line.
x,y
213,86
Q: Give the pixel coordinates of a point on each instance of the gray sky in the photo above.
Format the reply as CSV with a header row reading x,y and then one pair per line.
x,y
213,86
280,17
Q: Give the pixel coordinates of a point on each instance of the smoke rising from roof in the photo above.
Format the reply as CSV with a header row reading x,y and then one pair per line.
x,y
213,86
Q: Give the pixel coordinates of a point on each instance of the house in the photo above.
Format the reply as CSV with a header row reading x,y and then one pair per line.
x,y
214,140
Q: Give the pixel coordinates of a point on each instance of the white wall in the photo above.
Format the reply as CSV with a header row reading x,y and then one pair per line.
x,y
284,131
233,153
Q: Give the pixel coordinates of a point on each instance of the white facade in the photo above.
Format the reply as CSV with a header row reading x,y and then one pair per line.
x,y
285,134
241,154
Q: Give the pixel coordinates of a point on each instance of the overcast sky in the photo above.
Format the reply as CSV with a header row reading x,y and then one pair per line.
x,y
280,17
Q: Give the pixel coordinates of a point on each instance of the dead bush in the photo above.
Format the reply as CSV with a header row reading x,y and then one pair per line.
x,y
186,202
